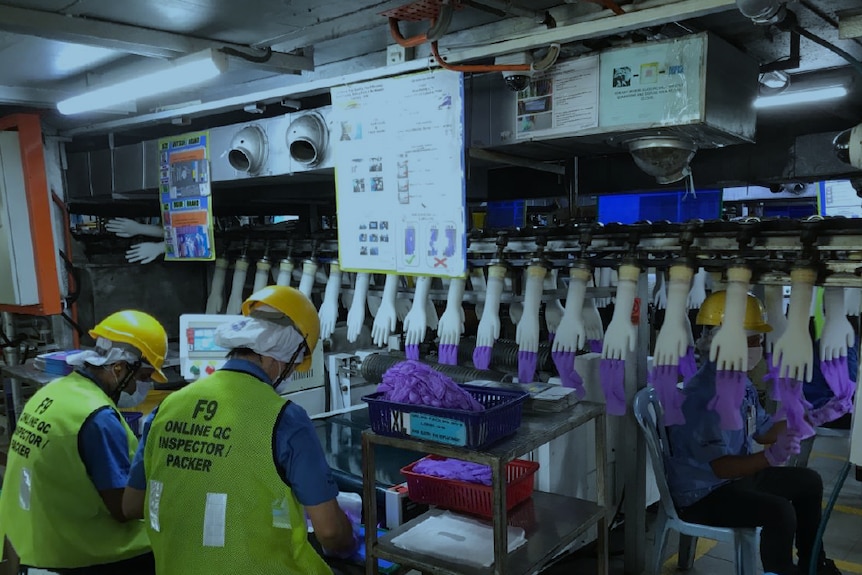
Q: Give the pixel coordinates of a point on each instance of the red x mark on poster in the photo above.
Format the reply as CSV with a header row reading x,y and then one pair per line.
x,y
440,262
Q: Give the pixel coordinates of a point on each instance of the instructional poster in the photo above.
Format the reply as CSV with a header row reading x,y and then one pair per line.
x,y
400,188
652,83
562,100
186,200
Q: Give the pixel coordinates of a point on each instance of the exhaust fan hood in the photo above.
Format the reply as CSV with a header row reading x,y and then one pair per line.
x,y
307,139
248,150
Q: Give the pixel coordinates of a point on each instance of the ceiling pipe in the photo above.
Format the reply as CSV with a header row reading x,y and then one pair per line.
x,y
438,29
543,64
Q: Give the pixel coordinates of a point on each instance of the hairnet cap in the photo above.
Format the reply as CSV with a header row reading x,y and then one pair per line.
x,y
712,312
293,307
140,330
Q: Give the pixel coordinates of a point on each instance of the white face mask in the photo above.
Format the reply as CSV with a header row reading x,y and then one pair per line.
x,y
755,354
128,400
284,385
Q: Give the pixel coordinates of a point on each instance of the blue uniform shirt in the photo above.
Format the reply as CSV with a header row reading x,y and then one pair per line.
x,y
701,440
297,447
104,447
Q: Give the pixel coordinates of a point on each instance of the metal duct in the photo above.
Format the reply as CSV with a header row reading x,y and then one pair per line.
x,y
374,366
307,139
248,150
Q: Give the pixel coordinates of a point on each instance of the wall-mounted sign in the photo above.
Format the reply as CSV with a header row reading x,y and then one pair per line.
x,y
400,187
186,200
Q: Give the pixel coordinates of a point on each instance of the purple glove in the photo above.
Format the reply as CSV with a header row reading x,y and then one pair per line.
x,y
482,356
595,345
772,375
793,407
551,336
564,361
663,379
786,445
837,376
687,364
412,351
832,410
727,403
454,469
527,361
612,375
447,354
415,383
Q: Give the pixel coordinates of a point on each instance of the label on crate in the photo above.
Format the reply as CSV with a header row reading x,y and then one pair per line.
x,y
434,428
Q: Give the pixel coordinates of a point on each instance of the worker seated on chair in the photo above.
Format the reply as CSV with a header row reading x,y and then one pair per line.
x,y
717,478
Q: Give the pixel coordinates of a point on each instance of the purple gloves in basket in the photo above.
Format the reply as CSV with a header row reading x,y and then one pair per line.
x,y
664,379
527,361
564,361
482,356
447,354
454,469
727,402
612,374
419,384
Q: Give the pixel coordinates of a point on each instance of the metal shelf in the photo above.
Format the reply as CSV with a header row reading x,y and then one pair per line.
x,y
551,522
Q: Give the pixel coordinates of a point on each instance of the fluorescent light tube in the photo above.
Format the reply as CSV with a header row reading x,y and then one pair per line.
x,y
800,97
183,72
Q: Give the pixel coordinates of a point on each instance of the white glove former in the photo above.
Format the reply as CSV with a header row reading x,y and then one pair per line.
x,y
621,336
261,276
794,351
417,319
145,252
698,290
215,301
356,314
773,300
285,271
306,284
451,324
240,269
729,348
489,325
837,335
126,228
384,320
674,338
328,312
527,332
571,333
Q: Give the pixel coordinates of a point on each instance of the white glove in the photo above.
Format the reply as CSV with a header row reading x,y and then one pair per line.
x,y
794,351
659,296
145,252
261,275
478,284
673,339
603,279
215,301
309,271
527,332
431,313
356,314
126,228
489,324
451,324
234,303
621,336
729,348
328,312
417,319
698,290
837,334
773,301
384,321
516,308
592,319
553,309
571,333
852,301
285,271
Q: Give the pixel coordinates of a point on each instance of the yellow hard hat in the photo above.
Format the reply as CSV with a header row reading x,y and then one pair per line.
x,y
297,310
712,312
140,330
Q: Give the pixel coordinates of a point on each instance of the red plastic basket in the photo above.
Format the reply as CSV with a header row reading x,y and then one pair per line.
x,y
472,498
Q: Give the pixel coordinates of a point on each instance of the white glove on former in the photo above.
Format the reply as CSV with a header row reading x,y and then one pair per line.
x,y
451,324
489,324
145,252
328,312
215,301
527,332
773,301
571,333
837,335
478,284
673,339
309,271
621,336
659,296
698,290
384,321
285,271
356,314
794,351
126,228
729,347
553,309
592,319
261,276
417,319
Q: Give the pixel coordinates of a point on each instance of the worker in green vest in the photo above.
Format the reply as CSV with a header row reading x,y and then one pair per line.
x,y
227,469
61,505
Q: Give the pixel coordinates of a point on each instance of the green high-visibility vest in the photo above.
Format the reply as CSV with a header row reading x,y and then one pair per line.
x,y
216,503
49,508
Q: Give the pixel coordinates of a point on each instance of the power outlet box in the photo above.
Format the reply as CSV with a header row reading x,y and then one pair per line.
x,y
396,54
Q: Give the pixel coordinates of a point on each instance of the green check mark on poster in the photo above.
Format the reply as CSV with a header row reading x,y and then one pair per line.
x,y
410,259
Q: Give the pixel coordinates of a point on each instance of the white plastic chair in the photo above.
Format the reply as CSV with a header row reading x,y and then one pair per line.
x,y
744,540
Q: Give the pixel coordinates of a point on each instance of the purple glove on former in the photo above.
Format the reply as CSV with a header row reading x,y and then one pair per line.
x,y
412,351
837,376
482,356
564,361
793,406
687,364
727,402
830,411
786,445
419,384
595,345
447,354
612,375
527,361
664,379
454,469
771,374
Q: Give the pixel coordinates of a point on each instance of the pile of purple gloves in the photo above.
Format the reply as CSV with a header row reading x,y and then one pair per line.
x,y
454,469
415,383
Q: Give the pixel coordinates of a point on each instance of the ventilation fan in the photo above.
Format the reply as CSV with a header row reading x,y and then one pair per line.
x,y
248,150
307,138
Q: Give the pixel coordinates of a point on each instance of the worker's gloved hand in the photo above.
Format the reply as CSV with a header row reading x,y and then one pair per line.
x,y
664,379
482,356
727,402
786,445
688,364
612,375
126,228
793,407
564,361
527,361
145,252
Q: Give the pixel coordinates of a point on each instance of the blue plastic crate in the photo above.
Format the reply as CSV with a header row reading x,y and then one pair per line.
x,y
471,429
